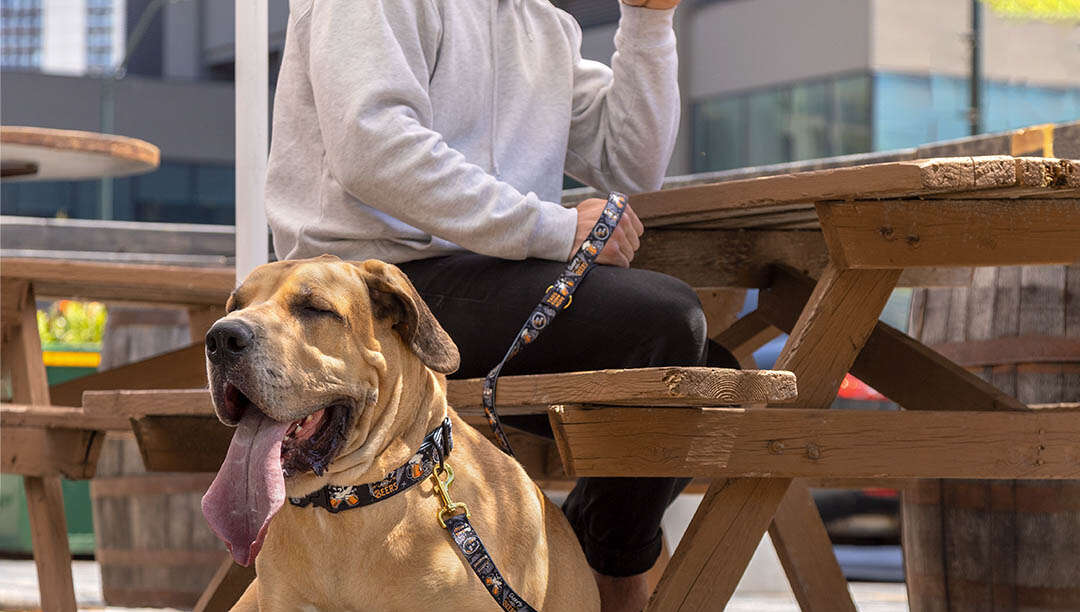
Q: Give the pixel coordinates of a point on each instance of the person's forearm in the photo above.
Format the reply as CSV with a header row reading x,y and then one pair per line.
x,y
627,117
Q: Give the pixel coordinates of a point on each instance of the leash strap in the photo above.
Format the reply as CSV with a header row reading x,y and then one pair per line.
x,y
464,536
558,297
432,454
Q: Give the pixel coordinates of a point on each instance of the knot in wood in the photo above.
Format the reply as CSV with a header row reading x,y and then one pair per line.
x,y
813,451
776,447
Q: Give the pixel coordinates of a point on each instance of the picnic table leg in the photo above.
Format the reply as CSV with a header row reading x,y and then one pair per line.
x,y
226,587
21,355
725,530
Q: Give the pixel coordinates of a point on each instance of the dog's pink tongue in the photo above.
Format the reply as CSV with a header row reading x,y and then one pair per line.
x,y
249,487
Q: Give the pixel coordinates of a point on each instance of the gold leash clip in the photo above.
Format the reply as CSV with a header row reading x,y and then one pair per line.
x,y
442,488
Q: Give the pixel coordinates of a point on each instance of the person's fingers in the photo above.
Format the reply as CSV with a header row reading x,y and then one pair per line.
x,y
639,227
630,234
614,252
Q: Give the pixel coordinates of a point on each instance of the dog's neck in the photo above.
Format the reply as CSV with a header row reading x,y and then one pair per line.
x,y
383,435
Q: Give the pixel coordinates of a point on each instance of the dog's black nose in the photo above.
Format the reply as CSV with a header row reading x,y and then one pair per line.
x,y
227,340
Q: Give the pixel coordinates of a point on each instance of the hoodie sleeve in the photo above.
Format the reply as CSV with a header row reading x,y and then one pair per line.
x,y
626,118
370,62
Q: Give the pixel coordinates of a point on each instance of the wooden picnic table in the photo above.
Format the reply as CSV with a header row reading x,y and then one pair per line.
x,y
843,240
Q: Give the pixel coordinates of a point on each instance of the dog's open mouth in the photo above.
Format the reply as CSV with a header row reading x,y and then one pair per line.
x,y
310,442
250,486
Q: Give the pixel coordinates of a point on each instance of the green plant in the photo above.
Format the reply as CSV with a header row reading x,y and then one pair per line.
x,y
72,322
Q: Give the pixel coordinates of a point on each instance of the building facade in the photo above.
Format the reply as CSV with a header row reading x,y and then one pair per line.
x,y
762,81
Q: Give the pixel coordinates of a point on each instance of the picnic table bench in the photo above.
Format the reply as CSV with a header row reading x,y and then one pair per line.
x,y
826,248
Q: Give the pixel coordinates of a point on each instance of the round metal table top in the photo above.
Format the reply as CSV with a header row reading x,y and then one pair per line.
x,y
44,154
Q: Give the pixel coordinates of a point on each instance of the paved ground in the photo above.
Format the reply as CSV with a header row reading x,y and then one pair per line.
x,y
18,591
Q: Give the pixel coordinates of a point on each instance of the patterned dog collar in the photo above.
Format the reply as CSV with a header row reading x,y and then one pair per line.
x,y
433,452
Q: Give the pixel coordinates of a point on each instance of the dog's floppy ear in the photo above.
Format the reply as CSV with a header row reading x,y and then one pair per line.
x,y
394,297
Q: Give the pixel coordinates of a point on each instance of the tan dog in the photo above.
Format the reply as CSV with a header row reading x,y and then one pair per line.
x,y
338,367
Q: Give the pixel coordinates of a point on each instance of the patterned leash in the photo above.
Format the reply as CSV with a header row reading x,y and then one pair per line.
x,y
558,297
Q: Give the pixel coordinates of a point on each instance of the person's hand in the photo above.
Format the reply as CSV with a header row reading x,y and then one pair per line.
x,y
660,5
624,241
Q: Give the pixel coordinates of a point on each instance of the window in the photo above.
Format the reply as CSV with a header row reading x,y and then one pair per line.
x,y
805,120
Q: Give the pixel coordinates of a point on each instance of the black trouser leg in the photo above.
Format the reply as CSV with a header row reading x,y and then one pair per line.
x,y
619,319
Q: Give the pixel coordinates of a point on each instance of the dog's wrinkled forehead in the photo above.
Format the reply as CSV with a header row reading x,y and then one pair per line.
x,y
326,285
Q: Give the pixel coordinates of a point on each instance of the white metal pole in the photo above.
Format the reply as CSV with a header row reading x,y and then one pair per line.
x,y
252,125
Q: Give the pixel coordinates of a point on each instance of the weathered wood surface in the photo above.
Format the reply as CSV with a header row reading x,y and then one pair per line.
x,y
151,540
179,369
981,545
122,282
530,394
705,569
915,233
59,417
793,443
48,531
781,199
41,455
51,154
890,360
47,451
742,258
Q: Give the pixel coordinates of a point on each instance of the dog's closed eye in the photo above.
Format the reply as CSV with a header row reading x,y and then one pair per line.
x,y
314,307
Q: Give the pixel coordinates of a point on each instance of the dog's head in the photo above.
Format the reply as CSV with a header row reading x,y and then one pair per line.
x,y
296,362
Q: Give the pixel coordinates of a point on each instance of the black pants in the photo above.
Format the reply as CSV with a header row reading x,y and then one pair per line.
x,y
619,319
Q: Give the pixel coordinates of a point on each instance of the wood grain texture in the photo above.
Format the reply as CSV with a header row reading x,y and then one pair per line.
x,y
48,531
48,451
747,335
715,542
812,548
895,179
914,233
792,443
530,394
827,337
123,282
890,359
182,443
62,417
180,369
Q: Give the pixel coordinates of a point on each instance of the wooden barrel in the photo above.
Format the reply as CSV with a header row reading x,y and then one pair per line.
x,y
151,541
1000,544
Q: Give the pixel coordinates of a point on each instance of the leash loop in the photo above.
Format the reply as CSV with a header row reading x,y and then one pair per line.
x,y
558,297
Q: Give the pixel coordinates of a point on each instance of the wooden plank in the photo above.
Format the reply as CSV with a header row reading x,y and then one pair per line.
x,y
911,233
226,587
48,531
40,454
180,369
734,258
201,318
63,417
721,306
709,558
48,451
895,179
528,394
747,335
812,548
182,443
890,359
123,282
794,443
834,325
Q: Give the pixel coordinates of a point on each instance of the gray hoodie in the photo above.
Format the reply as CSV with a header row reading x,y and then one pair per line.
x,y
408,129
